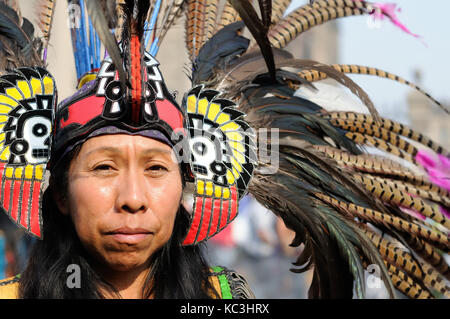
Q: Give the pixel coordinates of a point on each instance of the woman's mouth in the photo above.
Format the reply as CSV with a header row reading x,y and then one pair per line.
x,y
128,235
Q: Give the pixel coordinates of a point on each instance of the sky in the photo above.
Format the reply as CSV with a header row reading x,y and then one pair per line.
x,y
387,47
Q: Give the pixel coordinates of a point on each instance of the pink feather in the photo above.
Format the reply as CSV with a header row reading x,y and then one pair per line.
x,y
389,10
437,167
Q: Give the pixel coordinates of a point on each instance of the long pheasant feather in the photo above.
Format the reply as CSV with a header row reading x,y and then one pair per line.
x,y
212,7
46,12
402,259
393,126
100,24
313,76
195,23
278,9
377,217
396,197
300,21
228,16
406,284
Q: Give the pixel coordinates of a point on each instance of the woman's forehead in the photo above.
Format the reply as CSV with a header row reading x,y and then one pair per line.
x,y
123,143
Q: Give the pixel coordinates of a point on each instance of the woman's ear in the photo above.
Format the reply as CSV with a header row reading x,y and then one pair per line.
x,y
61,202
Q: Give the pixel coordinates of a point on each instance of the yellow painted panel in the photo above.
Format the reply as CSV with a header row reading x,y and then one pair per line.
x,y
191,104
209,188
230,177
5,154
36,85
39,172
230,127
236,165
9,172
14,93
235,173
235,136
29,171
218,191
202,106
214,109
238,156
49,86
236,145
18,173
200,187
226,193
7,100
23,86
223,118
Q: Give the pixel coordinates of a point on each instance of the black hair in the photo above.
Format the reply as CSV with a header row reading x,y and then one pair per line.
x,y
176,271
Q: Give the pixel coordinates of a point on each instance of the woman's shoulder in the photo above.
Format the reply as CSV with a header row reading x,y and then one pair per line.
x,y
230,284
9,288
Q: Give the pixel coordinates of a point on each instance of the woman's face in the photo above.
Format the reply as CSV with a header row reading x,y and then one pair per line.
x,y
124,192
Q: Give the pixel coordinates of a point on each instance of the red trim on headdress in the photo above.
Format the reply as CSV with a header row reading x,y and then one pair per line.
x,y
136,78
197,216
25,198
206,219
15,202
84,110
215,217
170,114
234,203
6,194
225,213
35,226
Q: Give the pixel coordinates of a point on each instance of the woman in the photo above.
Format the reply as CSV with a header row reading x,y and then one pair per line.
x,y
114,210
114,225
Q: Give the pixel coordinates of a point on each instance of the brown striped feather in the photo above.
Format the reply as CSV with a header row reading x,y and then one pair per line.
x,y
430,254
195,23
377,131
314,76
300,21
376,217
278,9
46,9
400,198
229,15
210,19
393,126
403,260
406,284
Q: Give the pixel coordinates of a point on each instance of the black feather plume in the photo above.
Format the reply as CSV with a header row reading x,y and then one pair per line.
x,y
258,30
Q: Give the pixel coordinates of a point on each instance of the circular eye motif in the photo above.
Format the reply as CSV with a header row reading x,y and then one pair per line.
x,y
200,148
218,168
40,130
19,147
113,91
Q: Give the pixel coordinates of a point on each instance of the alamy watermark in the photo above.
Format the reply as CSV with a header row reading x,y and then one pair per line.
x,y
74,278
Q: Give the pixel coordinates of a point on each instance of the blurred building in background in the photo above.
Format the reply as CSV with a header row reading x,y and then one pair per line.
x,y
426,117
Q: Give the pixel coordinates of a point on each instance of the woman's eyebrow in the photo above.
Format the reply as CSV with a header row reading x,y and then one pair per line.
x,y
110,149
113,149
157,150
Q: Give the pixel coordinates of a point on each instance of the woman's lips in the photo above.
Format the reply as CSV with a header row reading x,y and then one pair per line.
x,y
129,235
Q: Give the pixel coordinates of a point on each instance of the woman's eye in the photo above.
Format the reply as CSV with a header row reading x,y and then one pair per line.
x,y
157,168
103,167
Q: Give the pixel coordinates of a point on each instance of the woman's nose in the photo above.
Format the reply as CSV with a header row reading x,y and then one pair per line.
x,y
133,193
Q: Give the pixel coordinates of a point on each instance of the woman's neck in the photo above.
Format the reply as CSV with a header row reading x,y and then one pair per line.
x,y
128,283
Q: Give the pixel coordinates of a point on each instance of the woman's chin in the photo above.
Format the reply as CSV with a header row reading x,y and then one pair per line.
x,y
127,261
